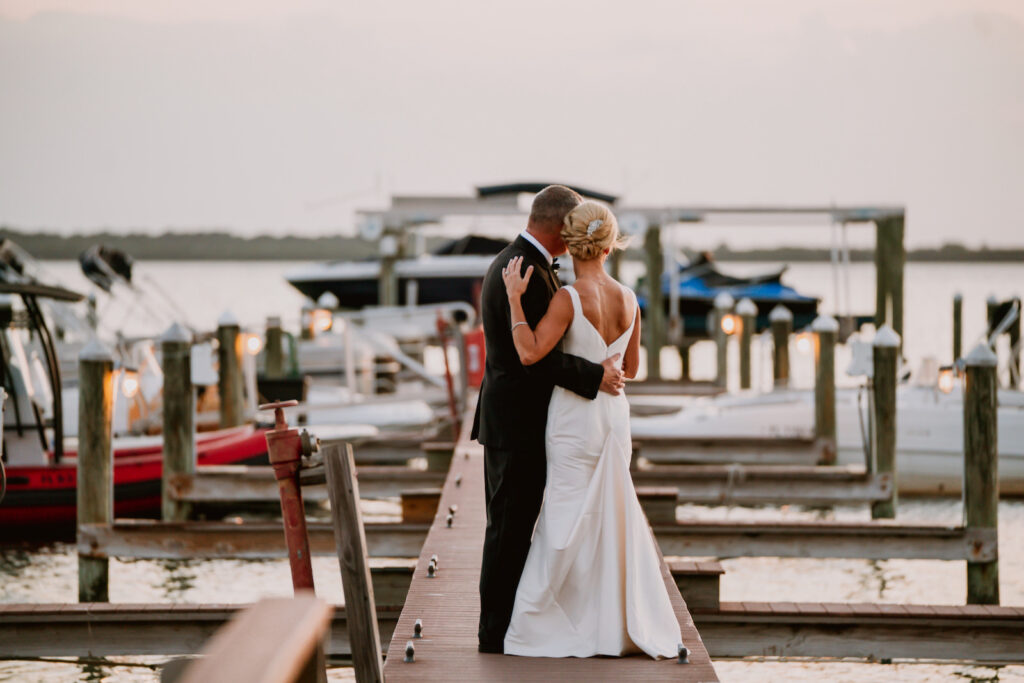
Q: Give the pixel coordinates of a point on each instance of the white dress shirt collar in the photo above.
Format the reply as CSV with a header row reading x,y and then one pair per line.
x,y
540,247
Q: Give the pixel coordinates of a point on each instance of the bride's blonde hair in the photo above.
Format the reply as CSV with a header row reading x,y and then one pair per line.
x,y
589,229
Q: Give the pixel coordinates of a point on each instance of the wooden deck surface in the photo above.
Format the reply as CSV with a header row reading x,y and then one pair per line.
x,y
449,607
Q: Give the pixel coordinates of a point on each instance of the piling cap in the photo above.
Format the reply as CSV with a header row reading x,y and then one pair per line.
x,y
991,299
176,333
95,351
958,296
227,319
724,301
746,307
328,300
981,356
780,314
886,336
273,321
825,323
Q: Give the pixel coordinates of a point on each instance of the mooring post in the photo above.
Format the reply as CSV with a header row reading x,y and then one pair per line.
x,y
350,541
274,349
179,410
722,305
387,283
747,312
981,474
781,320
826,332
95,496
230,380
890,258
885,355
654,324
958,319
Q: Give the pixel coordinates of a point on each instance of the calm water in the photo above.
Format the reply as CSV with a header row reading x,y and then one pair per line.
x,y
254,290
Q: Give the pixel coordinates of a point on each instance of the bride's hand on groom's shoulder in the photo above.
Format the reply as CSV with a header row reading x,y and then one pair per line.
x,y
515,281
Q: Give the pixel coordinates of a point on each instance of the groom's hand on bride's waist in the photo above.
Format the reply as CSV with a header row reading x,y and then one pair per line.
x,y
613,379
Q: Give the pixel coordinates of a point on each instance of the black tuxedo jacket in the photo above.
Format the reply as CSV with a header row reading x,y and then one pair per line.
x,y
513,406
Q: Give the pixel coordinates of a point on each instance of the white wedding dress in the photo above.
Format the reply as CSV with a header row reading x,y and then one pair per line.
x,y
592,584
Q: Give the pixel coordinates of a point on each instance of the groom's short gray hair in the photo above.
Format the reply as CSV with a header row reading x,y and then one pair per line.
x,y
551,206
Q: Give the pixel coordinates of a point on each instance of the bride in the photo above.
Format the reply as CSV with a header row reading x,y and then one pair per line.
x,y
592,584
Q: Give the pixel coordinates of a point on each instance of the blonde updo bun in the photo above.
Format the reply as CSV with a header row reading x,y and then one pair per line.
x,y
585,246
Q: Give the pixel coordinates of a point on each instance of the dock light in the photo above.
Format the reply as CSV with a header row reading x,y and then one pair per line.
x,y
253,344
947,379
323,319
803,342
729,324
129,383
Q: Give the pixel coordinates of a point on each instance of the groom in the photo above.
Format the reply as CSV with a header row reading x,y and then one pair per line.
x,y
512,411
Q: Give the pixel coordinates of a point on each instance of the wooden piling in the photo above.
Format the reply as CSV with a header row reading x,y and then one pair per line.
x,y
654,324
274,350
230,381
95,496
958,318
387,285
722,305
747,312
179,417
890,259
981,470
781,321
885,354
826,332
350,538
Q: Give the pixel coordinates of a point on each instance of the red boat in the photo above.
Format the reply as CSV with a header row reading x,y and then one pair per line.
x,y
40,497
44,496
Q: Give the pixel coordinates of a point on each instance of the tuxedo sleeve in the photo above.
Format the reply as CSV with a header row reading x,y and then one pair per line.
x,y
578,375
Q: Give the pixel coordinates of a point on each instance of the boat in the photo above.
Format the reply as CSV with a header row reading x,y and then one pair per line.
x,y
701,281
929,429
453,272
40,499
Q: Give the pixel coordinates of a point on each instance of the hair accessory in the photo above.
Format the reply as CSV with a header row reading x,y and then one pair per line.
x,y
594,225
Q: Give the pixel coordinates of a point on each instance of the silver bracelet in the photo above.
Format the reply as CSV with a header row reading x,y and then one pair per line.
x,y
515,325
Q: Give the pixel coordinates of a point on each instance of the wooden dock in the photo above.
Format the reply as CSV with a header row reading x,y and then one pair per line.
x,y
448,605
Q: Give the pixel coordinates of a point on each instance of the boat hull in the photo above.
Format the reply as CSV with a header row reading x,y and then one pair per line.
x,y
43,498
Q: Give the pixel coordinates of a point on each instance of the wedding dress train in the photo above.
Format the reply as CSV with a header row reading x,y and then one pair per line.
x,y
592,584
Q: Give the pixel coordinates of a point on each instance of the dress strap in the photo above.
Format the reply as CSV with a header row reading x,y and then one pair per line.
x,y
577,308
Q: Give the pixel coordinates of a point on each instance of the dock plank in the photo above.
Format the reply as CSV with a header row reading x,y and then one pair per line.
x,y
449,607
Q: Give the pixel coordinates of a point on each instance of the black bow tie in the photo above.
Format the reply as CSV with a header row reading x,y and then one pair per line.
x,y
555,265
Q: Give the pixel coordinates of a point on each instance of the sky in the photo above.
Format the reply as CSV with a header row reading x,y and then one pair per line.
x,y
283,118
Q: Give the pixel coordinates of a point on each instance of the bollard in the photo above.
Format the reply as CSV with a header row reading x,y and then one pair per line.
x,y
179,415
885,355
95,497
230,382
274,349
781,321
747,312
958,317
417,629
654,323
826,331
410,652
981,473
285,449
722,305
683,654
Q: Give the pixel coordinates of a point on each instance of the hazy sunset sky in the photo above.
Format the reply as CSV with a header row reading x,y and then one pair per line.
x,y
259,116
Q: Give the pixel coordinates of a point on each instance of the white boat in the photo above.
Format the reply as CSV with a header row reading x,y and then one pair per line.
x,y
929,426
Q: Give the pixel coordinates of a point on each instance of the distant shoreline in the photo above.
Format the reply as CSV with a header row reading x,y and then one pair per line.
x,y
222,246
